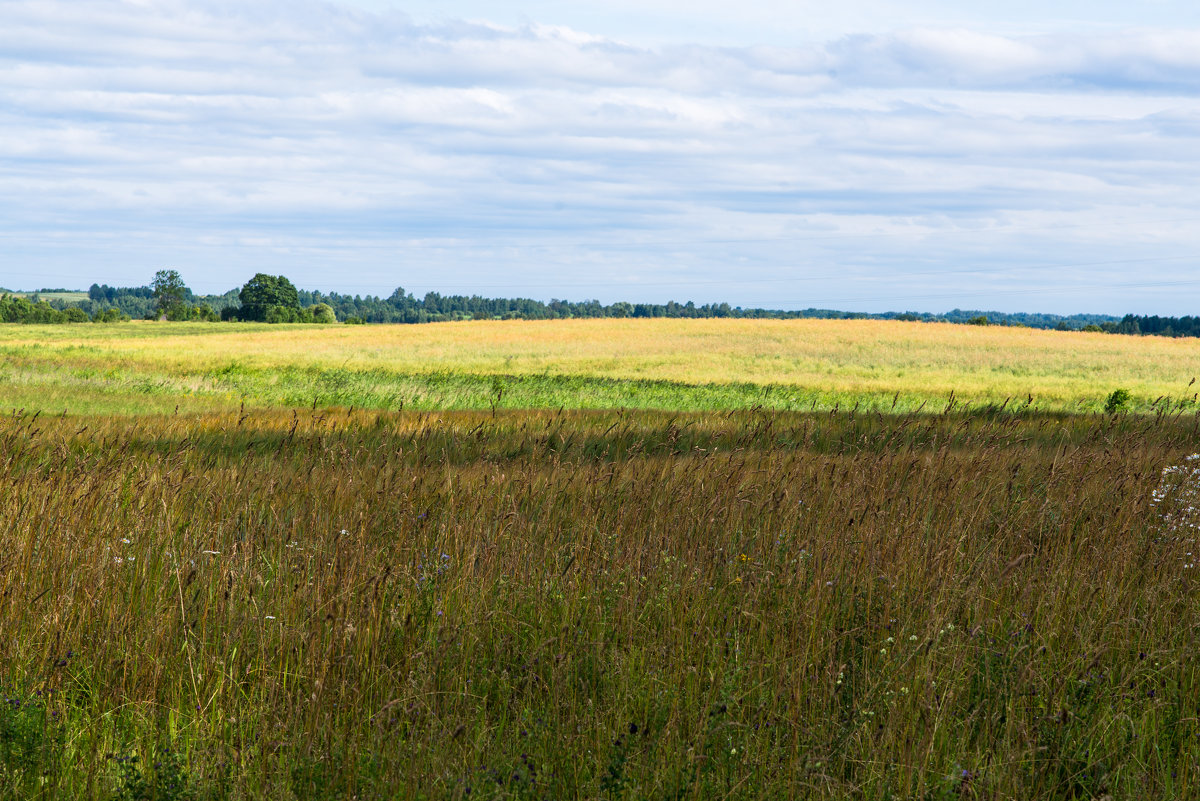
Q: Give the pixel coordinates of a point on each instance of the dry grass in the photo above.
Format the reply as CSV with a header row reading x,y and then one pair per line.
x,y
819,363
595,605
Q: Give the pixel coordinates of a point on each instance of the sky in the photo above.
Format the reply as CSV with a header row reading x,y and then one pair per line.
x,y
864,155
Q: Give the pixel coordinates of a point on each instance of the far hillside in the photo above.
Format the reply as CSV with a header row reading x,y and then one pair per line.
x,y
64,296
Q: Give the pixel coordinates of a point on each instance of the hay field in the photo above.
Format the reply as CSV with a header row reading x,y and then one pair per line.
x,y
666,364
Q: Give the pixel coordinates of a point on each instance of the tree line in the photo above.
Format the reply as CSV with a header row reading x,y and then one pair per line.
x,y
275,299
1186,326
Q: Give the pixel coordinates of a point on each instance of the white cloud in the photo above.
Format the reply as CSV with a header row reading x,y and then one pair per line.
x,y
214,136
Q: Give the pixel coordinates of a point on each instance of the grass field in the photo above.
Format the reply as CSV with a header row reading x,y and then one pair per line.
x,y
597,605
688,365
69,297
871,596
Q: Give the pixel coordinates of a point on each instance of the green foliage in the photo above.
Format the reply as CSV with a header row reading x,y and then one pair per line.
x,y
17,309
169,292
31,742
1117,401
269,298
111,315
323,313
979,320
403,307
14,308
166,780
281,314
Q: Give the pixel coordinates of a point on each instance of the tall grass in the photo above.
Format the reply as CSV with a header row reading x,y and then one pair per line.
x,y
344,604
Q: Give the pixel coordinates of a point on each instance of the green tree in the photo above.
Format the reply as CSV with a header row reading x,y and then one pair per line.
x,y
263,293
169,292
323,313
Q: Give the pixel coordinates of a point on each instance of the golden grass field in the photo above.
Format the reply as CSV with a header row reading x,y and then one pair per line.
x,y
145,366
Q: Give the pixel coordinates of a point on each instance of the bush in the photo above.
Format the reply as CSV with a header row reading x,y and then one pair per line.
x,y
1117,401
112,315
179,313
323,313
282,314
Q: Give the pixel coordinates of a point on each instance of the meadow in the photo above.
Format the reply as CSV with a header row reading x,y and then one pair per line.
x,y
682,365
967,600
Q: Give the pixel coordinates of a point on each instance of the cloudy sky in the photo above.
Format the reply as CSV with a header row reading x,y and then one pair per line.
x,y
924,155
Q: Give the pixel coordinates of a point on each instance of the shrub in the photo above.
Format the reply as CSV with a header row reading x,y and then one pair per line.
x,y
1117,401
323,313
282,314
113,315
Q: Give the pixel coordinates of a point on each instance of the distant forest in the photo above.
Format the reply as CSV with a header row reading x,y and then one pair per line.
x,y
111,304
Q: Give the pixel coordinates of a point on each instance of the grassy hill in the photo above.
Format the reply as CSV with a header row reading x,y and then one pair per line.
x,y
68,297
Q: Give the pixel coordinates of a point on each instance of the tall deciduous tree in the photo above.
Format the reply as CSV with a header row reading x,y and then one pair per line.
x,y
264,292
169,291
